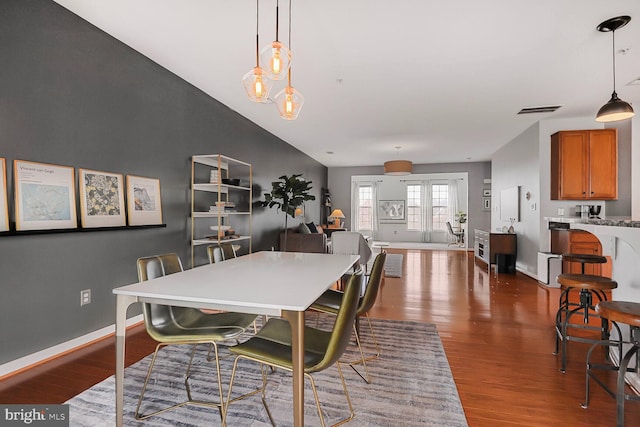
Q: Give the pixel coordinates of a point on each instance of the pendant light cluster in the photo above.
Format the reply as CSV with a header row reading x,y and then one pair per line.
x,y
616,109
273,63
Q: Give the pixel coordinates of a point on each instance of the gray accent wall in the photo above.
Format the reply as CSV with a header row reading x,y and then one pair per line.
x,y
340,187
73,95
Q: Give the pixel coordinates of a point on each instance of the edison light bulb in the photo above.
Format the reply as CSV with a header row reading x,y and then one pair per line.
x,y
258,87
288,105
276,61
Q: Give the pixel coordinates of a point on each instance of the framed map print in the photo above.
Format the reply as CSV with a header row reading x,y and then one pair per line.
x,y
144,205
44,196
101,199
4,211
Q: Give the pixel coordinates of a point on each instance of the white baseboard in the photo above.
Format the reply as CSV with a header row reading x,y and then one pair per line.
x,y
57,350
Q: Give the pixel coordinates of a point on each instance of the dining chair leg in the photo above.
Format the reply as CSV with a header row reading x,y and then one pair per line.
x,y
220,402
229,392
137,414
346,395
363,360
366,377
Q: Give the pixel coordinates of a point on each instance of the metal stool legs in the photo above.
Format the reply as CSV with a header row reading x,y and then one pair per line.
x,y
585,307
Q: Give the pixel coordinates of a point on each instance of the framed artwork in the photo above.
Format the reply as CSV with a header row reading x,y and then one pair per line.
x,y
44,196
486,192
486,203
101,199
391,210
144,205
4,210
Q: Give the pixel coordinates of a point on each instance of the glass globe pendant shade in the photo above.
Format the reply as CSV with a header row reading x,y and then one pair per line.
x,y
257,85
614,110
289,102
275,60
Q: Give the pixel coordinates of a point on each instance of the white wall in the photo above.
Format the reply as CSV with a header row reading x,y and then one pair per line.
x,y
395,188
517,164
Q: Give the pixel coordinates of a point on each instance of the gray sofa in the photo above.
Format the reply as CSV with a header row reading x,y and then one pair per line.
x,y
303,242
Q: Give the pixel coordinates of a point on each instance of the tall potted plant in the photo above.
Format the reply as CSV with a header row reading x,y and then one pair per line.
x,y
287,194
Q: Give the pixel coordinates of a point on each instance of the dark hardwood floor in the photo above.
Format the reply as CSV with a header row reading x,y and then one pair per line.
x,y
497,333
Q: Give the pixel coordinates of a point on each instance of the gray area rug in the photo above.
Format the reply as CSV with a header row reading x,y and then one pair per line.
x,y
392,265
412,386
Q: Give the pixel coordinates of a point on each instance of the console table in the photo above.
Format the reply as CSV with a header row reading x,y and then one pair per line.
x,y
487,245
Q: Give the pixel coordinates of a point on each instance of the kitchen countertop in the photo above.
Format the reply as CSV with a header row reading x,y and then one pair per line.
x,y
612,221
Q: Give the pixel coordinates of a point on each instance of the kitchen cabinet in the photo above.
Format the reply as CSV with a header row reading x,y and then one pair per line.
x,y
221,208
584,165
579,242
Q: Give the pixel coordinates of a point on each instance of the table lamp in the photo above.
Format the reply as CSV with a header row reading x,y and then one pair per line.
x,y
336,215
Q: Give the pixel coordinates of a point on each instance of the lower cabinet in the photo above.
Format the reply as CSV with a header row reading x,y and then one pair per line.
x,y
488,245
579,242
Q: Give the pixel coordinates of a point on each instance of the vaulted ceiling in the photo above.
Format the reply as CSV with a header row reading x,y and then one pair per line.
x,y
443,80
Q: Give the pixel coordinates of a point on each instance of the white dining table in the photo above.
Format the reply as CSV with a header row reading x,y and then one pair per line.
x,y
271,283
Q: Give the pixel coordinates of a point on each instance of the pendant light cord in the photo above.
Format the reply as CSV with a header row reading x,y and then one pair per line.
x,y
257,36
614,59
290,49
277,18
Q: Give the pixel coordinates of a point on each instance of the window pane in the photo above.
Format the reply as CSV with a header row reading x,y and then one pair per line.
x,y
414,210
365,208
440,206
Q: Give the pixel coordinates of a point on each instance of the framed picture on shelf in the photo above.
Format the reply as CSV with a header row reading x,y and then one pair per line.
x,y
101,199
486,192
4,210
44,196
391,210
144,205
486,203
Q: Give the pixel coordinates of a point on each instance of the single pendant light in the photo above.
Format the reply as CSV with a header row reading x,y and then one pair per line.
x,y
398,167
256,82
289,101
616,109
275,58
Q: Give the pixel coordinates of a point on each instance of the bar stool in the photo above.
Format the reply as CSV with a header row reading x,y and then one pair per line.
x,y
588,286
629,314
584,259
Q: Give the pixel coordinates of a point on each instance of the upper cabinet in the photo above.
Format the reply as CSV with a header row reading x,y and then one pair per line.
x,y
584,165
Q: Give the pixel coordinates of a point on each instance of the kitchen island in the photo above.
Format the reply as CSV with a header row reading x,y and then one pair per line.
x,y
620,240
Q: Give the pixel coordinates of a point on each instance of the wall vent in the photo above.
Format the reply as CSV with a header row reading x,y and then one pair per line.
x,y
545,109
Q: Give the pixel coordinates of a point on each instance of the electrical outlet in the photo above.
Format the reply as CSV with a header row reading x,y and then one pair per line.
x,y
560,211
85,297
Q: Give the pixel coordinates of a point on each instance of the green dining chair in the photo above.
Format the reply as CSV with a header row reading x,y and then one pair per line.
x,y
221,252
331,300
214,252
170,325
271,346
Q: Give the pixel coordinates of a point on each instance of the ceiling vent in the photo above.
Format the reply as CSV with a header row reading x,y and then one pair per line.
x,y
545,109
